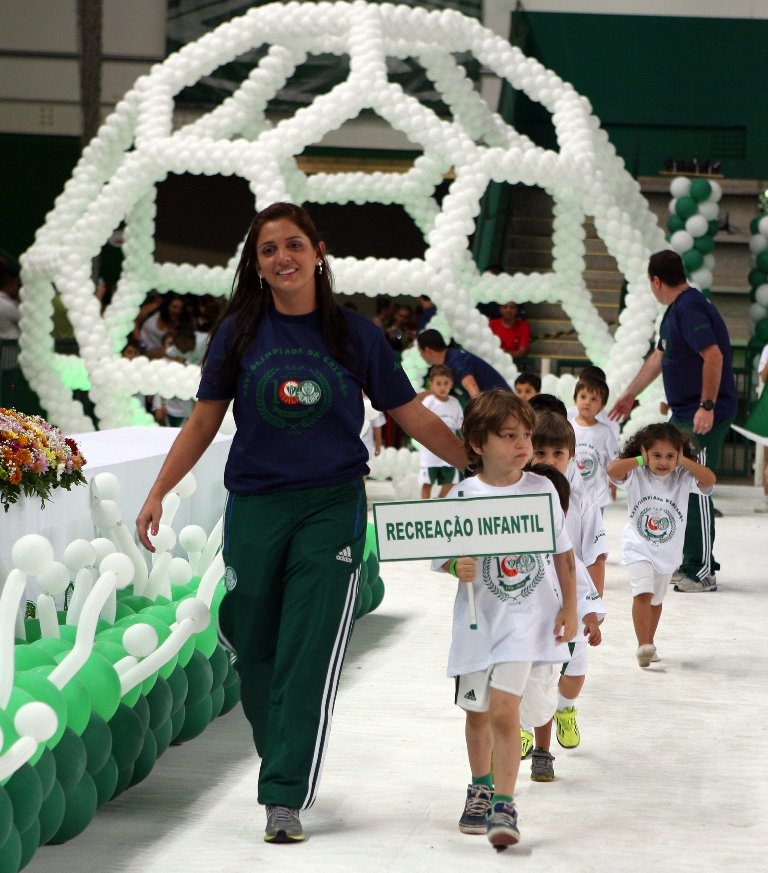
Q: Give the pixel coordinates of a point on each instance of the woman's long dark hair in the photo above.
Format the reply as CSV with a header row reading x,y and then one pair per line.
x,y
251,298
652,433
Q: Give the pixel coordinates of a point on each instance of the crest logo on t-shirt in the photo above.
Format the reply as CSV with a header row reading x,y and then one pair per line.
x,y
656,525
587,462
512,577
293,402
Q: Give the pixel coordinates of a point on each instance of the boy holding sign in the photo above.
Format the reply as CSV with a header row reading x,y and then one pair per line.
x,y
526,613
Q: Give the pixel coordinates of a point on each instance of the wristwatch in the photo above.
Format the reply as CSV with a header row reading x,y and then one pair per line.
x,y
709,405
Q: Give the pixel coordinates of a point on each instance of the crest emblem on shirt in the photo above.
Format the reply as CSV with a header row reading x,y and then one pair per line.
x,y
656,525
293,402
512,577
587,462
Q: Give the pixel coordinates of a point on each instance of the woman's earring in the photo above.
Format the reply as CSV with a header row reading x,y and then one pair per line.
x,y
261,282
320,268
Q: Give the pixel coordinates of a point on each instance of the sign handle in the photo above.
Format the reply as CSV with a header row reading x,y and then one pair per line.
x,y
472,611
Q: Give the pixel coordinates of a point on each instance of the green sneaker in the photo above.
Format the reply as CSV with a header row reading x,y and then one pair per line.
x,y
283,825
567,731
542,769
526,744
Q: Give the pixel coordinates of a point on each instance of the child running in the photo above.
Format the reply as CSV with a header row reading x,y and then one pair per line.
x,y
596,443
658,471
554,444
526,613
432,469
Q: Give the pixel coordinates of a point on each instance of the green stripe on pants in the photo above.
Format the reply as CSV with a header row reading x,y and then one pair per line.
x,y
296,558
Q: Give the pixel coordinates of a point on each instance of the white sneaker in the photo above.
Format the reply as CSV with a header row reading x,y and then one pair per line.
x,y
695,586
645,655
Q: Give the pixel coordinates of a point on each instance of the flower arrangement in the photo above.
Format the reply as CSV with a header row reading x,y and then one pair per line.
x,y
35,458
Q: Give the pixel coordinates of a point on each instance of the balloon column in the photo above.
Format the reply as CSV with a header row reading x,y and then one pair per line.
x,y
692,225
758,277
114,185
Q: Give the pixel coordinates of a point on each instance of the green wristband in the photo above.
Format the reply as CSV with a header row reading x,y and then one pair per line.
x,y
640,461
452,568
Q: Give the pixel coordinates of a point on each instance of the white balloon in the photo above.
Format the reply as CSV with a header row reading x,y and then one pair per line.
x,y
697,225
121,565
762,225
761,294
105,486
681,241
105,514
757,312
55,579
32,554
102,547
680,187
78,554
758,243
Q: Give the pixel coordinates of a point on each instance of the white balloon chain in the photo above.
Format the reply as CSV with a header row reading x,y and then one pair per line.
x,y
115,180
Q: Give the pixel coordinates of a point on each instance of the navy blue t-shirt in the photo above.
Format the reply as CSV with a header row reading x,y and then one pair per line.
x,y
690,324
464,363
298,411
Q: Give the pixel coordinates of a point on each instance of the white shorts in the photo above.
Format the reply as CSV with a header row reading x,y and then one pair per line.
x,y
540,695
473,690
645,580
577,666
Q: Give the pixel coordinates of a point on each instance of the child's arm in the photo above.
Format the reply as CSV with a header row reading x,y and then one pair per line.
x,y
463,569
619,469
597,573
377,441
566,622
592,629
704,477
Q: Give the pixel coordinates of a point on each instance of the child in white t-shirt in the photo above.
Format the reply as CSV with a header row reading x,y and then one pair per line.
x,y
554,444
658,471
596,443
432,469
526,613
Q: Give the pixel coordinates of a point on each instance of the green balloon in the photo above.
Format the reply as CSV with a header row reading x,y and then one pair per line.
x,y
160,701
675,223
127,736
141,708
123,780
68,632
106,782
103,683
220,665
122,610
217,701
757,278
185,652
52,813
10,852
686,207
762,261
364,574
705,244
700,189
370,542
196,719
25,791
70,758
145,761
130,697
200,676
41,689
28,657
761,330
46,771
179,685
19,697
32,630
373,568
30,840
231,697
8,731
6,816
163,735
79,809
692,260
181,592
377,593
111,650
714,226
136,602
97,739
177,722
56,648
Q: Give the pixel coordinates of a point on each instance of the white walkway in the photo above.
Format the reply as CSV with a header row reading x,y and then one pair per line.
x,y
671,774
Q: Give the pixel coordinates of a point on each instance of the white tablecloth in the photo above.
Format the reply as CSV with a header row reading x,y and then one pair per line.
x,y
134,455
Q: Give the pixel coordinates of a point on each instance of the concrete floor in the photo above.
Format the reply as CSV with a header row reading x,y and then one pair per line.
x,y
671,774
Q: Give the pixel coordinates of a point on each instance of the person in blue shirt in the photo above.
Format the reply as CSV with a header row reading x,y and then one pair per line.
x,y
693,356
471,373
297,365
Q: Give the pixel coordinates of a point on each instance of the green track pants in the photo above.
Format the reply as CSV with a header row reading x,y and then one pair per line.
x,y
293,569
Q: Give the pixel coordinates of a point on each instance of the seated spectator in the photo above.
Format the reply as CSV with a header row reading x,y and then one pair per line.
x,y
169,315
513,330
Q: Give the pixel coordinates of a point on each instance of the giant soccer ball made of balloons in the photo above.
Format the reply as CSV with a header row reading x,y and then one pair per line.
x,y
114,185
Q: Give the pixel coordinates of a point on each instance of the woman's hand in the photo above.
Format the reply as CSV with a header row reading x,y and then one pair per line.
x,y
148,519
